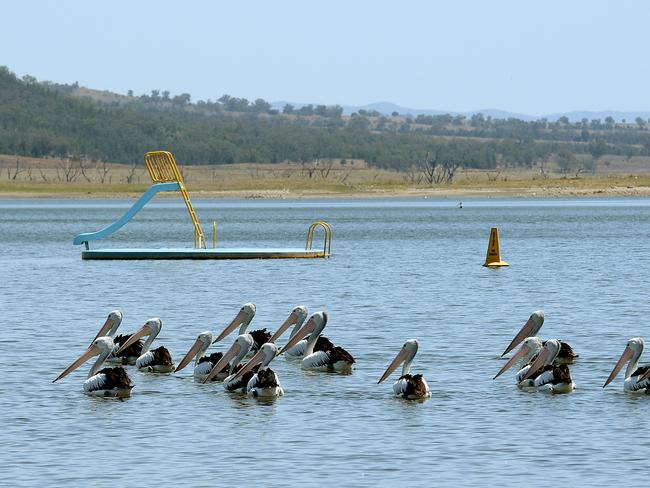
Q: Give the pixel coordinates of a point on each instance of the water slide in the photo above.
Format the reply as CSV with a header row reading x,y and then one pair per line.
x,y
86,237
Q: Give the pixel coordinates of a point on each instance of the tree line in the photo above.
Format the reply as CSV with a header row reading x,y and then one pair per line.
x,y
43,119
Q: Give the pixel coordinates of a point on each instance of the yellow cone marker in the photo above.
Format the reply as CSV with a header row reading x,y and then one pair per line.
x,y
493,258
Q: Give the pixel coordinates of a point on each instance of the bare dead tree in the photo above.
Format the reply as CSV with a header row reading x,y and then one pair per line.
x,y
83,168
43,176
436,169
102,171
493,175
345,176
325,168
29,173
69,168
132,173
308,168
12,174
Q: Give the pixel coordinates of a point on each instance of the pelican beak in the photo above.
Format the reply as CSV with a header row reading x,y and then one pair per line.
x,y
625,357
225,359
291,320
255,360
521,335
236,322
194,350
513,360
306,329
538,363
92,351
145,330
104,330
399,359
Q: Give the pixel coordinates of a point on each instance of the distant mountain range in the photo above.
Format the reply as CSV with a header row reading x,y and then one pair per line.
x,y
387,108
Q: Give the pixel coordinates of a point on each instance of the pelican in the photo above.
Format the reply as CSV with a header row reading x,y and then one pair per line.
x,y
106,382
557,376
157,360
203,363
408,386
243,320
528,351
332,359
297,318
531,328
234,357
636,378
129,355
264,383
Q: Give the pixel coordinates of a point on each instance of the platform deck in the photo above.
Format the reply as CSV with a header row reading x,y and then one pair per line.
x,y
183,253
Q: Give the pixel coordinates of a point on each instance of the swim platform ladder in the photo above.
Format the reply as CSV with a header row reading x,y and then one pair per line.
x,y
327,230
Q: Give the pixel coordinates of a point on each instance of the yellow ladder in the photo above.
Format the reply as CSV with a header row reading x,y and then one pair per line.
x,y
327,228
162,168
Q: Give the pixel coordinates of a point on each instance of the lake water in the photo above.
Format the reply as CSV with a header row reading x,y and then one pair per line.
x,y
400,269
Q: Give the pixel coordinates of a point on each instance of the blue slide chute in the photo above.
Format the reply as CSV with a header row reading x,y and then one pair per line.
x,y
135,208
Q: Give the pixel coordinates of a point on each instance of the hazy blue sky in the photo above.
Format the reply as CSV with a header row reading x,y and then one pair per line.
x,y
522,56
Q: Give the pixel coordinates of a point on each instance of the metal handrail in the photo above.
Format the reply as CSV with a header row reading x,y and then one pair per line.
x,y
327,244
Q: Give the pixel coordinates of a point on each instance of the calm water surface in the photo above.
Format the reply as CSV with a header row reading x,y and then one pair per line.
x,y
401,269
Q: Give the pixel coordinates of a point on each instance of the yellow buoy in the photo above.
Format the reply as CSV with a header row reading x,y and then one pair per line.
x,y
493,258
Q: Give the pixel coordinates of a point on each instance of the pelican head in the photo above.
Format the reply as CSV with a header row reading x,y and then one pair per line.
x,y
242,319
100,346
632,352
111,324
296,317
236,353
201,344
150,328
406,355
265,355
313,327
531,328
545,357
529,349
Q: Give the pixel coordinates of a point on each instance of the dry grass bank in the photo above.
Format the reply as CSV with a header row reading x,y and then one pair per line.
x,y
30,177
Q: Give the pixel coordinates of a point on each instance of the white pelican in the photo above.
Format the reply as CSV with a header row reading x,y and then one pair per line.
x,y
234,356
557,376
297,318
157,360
528,351
243,320
332,359
531,328
106,382
637,379
203,364
264,383
129,355
408,386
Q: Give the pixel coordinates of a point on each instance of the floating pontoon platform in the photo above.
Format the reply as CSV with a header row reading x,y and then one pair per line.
x,y
181,253
166,177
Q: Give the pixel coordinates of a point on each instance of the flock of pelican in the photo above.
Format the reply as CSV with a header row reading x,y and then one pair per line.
x,y
545,364
245,366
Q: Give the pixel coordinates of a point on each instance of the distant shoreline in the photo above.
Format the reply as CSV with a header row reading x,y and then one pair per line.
x,y
272,194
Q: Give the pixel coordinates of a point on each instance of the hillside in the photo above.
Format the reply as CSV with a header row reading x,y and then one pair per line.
x,y
68,121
